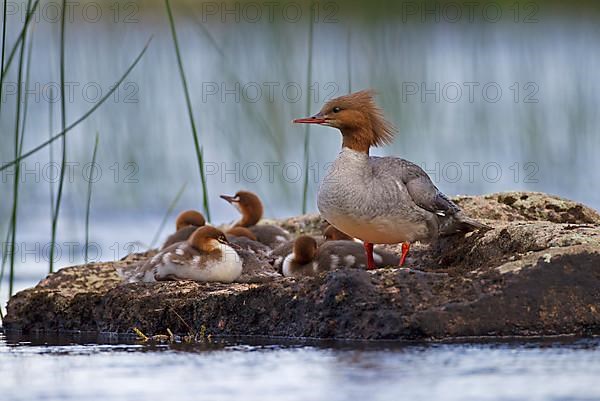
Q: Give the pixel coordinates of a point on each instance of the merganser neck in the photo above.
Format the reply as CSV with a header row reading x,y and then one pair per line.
x,y
247,220
357,139
352,158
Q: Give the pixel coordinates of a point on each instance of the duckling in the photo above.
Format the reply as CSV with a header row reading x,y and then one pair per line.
x,y
245,239
333,234
186,223
301,262
308,259
382,257
205,256
251,209
280,252
240,231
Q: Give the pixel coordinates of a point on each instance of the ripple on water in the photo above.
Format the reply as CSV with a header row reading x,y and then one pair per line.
x,y
80,368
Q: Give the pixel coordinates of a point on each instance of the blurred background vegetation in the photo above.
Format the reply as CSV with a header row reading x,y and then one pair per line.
x,y
438,68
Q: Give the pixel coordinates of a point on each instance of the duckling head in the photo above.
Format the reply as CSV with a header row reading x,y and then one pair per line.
x,y
240,231
207,239
189,218
359,119
305,249
249,205
333,234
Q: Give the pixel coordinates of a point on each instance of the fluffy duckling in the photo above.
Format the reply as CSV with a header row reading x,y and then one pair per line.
x,y
186,223
251,209
302,261
205,256
333,234
280,252
308,259
239,231
245,239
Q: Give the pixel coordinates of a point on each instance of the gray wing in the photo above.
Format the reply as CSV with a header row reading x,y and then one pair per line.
x,y
419,186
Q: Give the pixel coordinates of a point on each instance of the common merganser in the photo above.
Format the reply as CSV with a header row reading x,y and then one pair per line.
x,y
380,200
205,256
251,209
245,239
284,249
241,232
333,234
330,233
186,223
308,258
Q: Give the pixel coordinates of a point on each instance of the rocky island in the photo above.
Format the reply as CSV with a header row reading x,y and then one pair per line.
x,y
536,273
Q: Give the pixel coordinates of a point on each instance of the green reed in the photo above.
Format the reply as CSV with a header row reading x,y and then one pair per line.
x,y
18,149
3,72
89,197
50,152
199,152
349,58
3,49
83,117
170,209
273,136
19,40
307,126
3,248
63,115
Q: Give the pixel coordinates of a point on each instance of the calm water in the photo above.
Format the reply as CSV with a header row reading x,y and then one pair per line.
x,y
264,371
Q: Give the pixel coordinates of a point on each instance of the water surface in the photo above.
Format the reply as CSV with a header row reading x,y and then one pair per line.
x,y
251,369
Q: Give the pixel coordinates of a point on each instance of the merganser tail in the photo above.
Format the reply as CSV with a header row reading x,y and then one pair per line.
x,y
461,223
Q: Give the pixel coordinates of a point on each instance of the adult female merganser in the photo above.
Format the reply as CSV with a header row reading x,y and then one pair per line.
x,y
251,208
308,258
186,223
205,256
380,200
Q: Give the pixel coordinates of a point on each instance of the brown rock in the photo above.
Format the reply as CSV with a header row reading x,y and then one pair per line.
x,y
536,273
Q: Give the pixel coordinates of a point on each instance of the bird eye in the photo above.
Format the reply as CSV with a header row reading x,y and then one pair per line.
x,y
336,109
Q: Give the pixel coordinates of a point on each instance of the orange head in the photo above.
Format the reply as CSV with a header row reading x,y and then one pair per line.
x,y
240,231
207,239
359,119
249,205
189,218
333,234
305,249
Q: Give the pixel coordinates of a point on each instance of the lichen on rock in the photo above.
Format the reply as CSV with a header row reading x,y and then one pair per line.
x,y
536,273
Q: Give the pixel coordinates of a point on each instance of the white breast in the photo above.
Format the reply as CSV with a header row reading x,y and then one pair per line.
x,y
225,269
286,269
380,230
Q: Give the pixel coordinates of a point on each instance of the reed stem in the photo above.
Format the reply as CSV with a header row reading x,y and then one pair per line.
x,y
167,214
17,43
199,153
63,133
80,119
18,148
3,50
349,58
308,104
89,197
26,101
63,115
50,152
